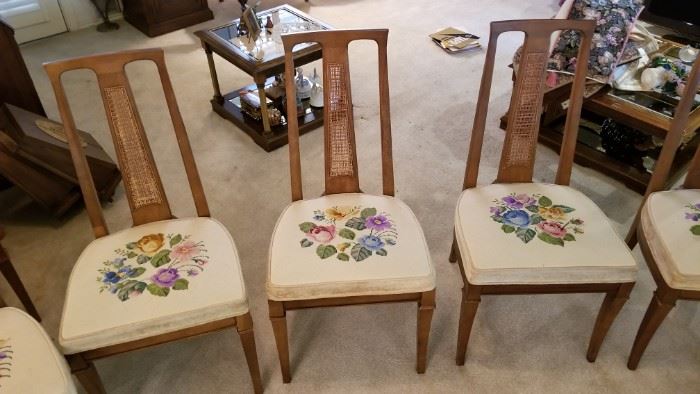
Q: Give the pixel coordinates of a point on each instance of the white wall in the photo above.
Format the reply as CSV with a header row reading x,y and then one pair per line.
x,y
80,14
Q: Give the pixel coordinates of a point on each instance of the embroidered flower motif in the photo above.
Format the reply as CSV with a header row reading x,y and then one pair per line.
x,y
363,233
167,258
6,356
694,216
530,216
322,234
150,244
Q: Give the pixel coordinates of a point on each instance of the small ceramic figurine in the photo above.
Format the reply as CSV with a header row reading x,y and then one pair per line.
x,y
316,91
303,85
269,25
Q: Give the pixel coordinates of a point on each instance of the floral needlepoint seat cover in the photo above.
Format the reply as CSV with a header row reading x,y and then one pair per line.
x,y
348,245
149,280
534,233
29,361
670,221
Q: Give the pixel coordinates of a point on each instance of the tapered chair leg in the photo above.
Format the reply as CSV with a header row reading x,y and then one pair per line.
x,y
278,317
656,313
8,271
471,297
86,373
426,306
244,325
611,306
454,251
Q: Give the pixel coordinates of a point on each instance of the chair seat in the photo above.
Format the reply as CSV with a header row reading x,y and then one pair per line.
x,y
149,280
671,224
348,245
530,233
29,361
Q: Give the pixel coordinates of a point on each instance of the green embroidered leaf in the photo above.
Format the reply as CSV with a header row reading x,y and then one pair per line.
x,y
130,286
533,208
131,245
345,233
564,208
534,219
544,201
131,255
325,251
143,259
161,258
136,272
381,252
306,227
359,252
367,212
695,229
526,234
356,223
175,240
497,219
507,229
181,284
569,237
343,257
305,243
157,290
550,240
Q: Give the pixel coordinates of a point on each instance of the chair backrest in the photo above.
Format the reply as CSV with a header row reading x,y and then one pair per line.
x,y
518,155
142,182
341,171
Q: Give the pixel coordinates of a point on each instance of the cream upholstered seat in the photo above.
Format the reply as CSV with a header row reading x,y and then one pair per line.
x,y
152,279
29,361
671,223
534,233
348,244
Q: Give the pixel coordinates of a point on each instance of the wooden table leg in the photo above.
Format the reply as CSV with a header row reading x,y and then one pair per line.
x,y
260,82
212,71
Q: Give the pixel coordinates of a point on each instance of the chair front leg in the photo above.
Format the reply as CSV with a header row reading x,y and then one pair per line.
x,y
660,305
426,306
278,317
613,302
86,373
244,325
8,271
471,297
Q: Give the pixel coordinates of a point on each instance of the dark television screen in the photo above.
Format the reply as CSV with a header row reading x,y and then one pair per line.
x,y
682,16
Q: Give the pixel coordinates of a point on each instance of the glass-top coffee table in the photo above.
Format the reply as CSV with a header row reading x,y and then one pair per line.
x,y
262,60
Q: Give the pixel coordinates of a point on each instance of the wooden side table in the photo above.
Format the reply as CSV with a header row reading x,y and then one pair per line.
x,y
8,271
223,40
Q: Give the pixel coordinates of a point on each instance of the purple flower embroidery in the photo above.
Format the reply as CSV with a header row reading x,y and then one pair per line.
x,y
377,223
165,277
3,355
519,201
692,216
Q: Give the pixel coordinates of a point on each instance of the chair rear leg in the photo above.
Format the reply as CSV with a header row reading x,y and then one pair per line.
x,y
426,306
8,271
613,302
244,325
471,297
454,251
86,373
278,317
659,307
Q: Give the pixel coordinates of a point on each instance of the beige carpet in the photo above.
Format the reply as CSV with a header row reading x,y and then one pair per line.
x,y
519,344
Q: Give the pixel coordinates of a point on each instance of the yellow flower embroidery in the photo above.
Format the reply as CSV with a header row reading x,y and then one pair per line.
x,y
150,244
341,212
551,213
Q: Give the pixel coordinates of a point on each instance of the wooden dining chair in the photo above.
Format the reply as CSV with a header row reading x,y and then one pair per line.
x,y
163,279
669,230
519,237
29,360
10,274
346,247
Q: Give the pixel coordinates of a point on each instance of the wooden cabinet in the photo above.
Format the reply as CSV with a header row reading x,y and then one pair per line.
x,y
156,17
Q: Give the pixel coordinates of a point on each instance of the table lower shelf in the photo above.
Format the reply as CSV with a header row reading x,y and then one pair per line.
x,y
254,128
